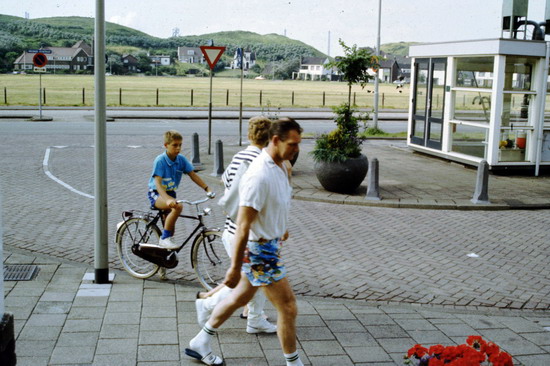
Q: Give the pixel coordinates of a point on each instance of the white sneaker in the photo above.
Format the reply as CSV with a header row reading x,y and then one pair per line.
x,y
203,313
260,326
168,243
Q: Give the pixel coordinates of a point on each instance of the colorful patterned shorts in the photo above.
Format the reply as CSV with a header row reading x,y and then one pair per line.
x,y
262,263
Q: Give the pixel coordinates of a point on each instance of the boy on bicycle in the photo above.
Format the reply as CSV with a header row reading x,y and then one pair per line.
x,y
168,169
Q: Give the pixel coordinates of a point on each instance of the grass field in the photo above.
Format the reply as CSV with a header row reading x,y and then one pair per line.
x,y
78,90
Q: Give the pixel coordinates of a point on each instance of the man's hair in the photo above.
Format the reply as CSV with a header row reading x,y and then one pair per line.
x,y
258,130
282,127
172,135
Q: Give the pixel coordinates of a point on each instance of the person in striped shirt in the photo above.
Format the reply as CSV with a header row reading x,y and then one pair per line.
x,y
258,129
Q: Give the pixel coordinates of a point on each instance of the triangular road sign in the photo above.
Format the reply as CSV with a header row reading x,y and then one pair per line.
x,y
212,54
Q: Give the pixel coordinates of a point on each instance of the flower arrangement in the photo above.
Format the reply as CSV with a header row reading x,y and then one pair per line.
x,y
476,351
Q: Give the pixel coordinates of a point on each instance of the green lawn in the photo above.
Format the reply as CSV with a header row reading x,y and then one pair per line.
x,y
78,90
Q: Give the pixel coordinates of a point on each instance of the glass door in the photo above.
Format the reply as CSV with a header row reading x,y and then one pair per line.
x,y
428,102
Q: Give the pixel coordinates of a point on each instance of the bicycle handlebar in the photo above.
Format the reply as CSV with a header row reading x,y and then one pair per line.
x,y
209,195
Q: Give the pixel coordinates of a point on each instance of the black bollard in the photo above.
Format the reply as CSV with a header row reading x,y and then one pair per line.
x,y
218,159
195,157
481,193
373,188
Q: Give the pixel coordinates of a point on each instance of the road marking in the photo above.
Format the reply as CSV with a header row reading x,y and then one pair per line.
x,y
134,146
57,180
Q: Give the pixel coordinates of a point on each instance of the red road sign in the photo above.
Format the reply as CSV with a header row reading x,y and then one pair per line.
x,y
212,54
39,60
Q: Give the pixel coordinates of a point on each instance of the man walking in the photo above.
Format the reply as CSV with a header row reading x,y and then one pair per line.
x,y
265,195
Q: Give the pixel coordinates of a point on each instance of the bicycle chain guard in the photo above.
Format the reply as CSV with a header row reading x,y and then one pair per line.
x,y
160,256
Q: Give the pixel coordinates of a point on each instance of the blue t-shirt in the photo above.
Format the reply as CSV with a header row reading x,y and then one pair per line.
x,y
170,171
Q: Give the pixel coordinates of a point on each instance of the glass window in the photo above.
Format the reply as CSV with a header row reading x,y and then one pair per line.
x,y
472,106
516,108
469,140
474,72
517,73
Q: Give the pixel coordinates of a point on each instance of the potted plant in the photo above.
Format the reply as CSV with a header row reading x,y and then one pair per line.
x,y
339,165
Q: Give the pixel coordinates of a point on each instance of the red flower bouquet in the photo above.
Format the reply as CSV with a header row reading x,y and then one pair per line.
x,y
476,351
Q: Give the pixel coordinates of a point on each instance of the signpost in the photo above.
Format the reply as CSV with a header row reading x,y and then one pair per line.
x,y
212,55
40,60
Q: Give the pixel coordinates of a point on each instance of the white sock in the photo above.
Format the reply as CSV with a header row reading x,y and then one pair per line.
x,y
201,342
293,359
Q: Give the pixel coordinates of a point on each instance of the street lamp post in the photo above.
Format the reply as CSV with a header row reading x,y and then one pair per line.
x,y
375,116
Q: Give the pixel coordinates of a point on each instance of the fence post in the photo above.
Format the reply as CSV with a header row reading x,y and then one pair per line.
x,y
323,99
83,96
481,193
354,98
44,95
191,97
383,99
157,96
195,156
218,159
373,188
5,95
120,96
293,97
260,97
227,97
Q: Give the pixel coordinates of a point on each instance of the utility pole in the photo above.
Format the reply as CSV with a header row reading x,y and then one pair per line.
x,y
101,264
375,116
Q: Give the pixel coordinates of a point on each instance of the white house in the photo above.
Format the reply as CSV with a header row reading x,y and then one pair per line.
x,y
313,68
191,55
160,60
249,60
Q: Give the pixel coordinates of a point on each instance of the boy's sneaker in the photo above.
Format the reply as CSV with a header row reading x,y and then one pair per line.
x,y
260,326
168,243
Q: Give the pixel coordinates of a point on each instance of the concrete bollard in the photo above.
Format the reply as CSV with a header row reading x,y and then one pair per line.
x,y
373,189
218,159
481,193
195,156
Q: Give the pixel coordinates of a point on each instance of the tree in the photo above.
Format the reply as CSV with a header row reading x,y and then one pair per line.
x,y
355,66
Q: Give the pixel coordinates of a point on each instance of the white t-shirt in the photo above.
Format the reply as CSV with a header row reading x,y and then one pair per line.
x,y
265,188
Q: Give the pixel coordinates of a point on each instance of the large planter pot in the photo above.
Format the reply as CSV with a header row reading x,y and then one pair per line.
x,y
343,177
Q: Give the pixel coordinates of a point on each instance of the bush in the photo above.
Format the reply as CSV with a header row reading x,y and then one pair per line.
x,y
343,142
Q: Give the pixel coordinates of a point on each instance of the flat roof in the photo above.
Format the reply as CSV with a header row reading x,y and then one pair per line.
x,y
499,46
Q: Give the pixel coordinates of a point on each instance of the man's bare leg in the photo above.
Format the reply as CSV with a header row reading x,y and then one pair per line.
x,y
281,296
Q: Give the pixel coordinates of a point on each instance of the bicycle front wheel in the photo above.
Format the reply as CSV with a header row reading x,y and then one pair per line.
x,y
209,258
134,231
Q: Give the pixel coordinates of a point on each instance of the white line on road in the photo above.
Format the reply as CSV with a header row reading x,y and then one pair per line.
x,y
57,180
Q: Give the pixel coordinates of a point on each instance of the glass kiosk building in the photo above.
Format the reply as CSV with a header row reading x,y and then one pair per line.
x,y
481,100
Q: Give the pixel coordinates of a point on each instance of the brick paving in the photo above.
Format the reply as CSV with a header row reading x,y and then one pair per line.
x,y
373,279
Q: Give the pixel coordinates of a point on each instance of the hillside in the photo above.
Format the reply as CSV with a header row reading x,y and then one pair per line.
x,y
398,48
17,34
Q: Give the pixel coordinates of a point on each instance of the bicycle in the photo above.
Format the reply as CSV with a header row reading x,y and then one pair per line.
x,y
137,239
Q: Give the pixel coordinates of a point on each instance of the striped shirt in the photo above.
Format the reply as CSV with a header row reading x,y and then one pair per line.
x,y
248,154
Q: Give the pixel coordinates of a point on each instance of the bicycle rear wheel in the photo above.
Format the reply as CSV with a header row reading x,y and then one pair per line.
x,y
134,231
209,258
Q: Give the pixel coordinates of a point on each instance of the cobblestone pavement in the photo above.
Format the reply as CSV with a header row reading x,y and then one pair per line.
x,y
374,254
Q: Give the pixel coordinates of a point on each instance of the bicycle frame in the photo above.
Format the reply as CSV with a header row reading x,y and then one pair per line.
x,y
161,214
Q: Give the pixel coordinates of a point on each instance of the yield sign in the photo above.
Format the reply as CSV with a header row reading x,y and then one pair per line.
x,y
212,54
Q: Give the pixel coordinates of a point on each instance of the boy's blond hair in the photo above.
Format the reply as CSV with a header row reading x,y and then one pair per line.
x,y
258,130
172,135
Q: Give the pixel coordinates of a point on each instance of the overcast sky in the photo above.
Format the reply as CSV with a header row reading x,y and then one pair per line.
x,y
355,21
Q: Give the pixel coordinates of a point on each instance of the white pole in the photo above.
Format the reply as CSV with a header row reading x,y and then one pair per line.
x,y
241,107
375,117
210,114
101,264
540,130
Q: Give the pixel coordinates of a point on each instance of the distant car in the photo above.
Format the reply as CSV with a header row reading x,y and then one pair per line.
x,y
259,77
